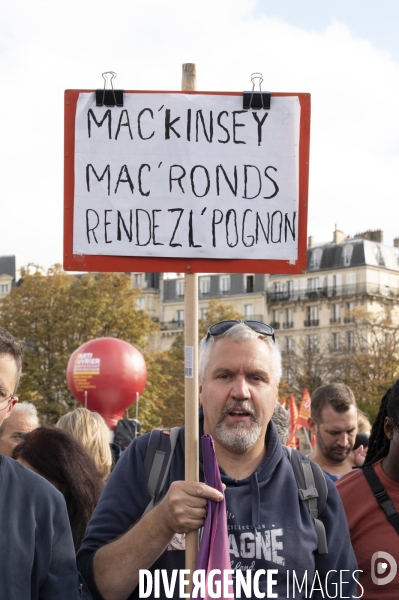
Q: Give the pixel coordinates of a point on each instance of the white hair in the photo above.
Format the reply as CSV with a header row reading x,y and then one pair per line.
x,y
239,333
27,408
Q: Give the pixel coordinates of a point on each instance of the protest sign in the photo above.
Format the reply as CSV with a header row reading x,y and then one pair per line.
x,y
177,181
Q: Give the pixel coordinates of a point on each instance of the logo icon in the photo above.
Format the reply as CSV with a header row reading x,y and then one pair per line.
x,y
382,567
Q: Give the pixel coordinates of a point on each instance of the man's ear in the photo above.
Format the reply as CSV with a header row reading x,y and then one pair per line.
x,y
312,425
389,427
11,406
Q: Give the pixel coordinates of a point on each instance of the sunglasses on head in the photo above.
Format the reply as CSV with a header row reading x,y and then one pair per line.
x,y
223,326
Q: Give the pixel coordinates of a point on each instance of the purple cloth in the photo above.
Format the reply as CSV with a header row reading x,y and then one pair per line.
x,y
214,547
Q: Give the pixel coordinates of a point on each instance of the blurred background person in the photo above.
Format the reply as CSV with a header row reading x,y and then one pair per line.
x,y
90,429
61,459
361,444
334,423
281,420
363,423
23,418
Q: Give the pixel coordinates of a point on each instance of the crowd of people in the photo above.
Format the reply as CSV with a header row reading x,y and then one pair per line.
x,y
324,524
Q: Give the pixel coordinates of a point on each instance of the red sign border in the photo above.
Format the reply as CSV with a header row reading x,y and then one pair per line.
x,y
181,265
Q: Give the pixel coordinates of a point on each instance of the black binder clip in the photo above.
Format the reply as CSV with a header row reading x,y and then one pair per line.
x,y
254,99
109,97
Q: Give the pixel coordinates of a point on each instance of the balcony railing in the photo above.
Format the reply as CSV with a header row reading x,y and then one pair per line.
x,y
349,319
311,323
275,324
365,289
288,325
170,325
335,320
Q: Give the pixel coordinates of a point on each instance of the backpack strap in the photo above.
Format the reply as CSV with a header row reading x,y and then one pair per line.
x,y
382,497
157,460
312,489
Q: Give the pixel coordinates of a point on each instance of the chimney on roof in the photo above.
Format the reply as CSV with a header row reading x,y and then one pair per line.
x,y
375,235
396,242
339,236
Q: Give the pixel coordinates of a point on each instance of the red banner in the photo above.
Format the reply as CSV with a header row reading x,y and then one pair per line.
x,y
304,411
293,412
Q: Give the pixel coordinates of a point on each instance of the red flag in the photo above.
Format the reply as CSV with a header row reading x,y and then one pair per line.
x,y
293,412
304,411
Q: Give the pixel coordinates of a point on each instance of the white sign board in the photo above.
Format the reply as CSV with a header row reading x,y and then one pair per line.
x,y
181,175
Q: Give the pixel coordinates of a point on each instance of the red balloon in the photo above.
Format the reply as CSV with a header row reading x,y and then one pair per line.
x,y
110,373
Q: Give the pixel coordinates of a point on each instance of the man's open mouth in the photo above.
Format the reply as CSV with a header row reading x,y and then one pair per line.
x,y
238,413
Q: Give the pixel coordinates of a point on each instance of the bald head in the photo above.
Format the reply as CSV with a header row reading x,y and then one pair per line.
x,y
22,419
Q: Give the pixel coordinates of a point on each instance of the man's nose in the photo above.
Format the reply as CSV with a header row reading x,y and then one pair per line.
x,y
343,439
240,389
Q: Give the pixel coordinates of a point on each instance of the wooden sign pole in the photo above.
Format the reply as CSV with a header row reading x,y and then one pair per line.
x,y
191,365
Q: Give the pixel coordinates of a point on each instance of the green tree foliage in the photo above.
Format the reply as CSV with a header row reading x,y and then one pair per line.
x,y
54,313
306,366
371,365
367,361
172,362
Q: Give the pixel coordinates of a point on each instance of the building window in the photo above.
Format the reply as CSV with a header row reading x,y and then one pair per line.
x,y
350,307
138,278
277,290
335,313
315,258
350,339
275,319
4,288
140,303
312,316
249,310
288,321
249,283
312,342
224,284
290,289
205,286
347,255
180,316
378,256
313,287
288,345
202,313
351,283
335,342
180,288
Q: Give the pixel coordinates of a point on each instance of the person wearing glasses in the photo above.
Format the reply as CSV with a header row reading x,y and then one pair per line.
x,y
37,559
269,527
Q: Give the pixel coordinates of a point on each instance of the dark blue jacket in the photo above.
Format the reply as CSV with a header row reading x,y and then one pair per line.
x,y
37,556
269,526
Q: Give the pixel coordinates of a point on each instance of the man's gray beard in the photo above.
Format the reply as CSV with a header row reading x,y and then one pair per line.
x,y
239,436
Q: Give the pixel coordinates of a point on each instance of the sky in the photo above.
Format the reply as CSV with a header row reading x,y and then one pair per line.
x,y
345,54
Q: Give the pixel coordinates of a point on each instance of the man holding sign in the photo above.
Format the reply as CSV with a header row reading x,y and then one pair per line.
x,y
271,533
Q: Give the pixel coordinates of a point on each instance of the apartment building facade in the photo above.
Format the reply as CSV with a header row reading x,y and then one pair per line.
x,y
9,274
343,276
315,306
